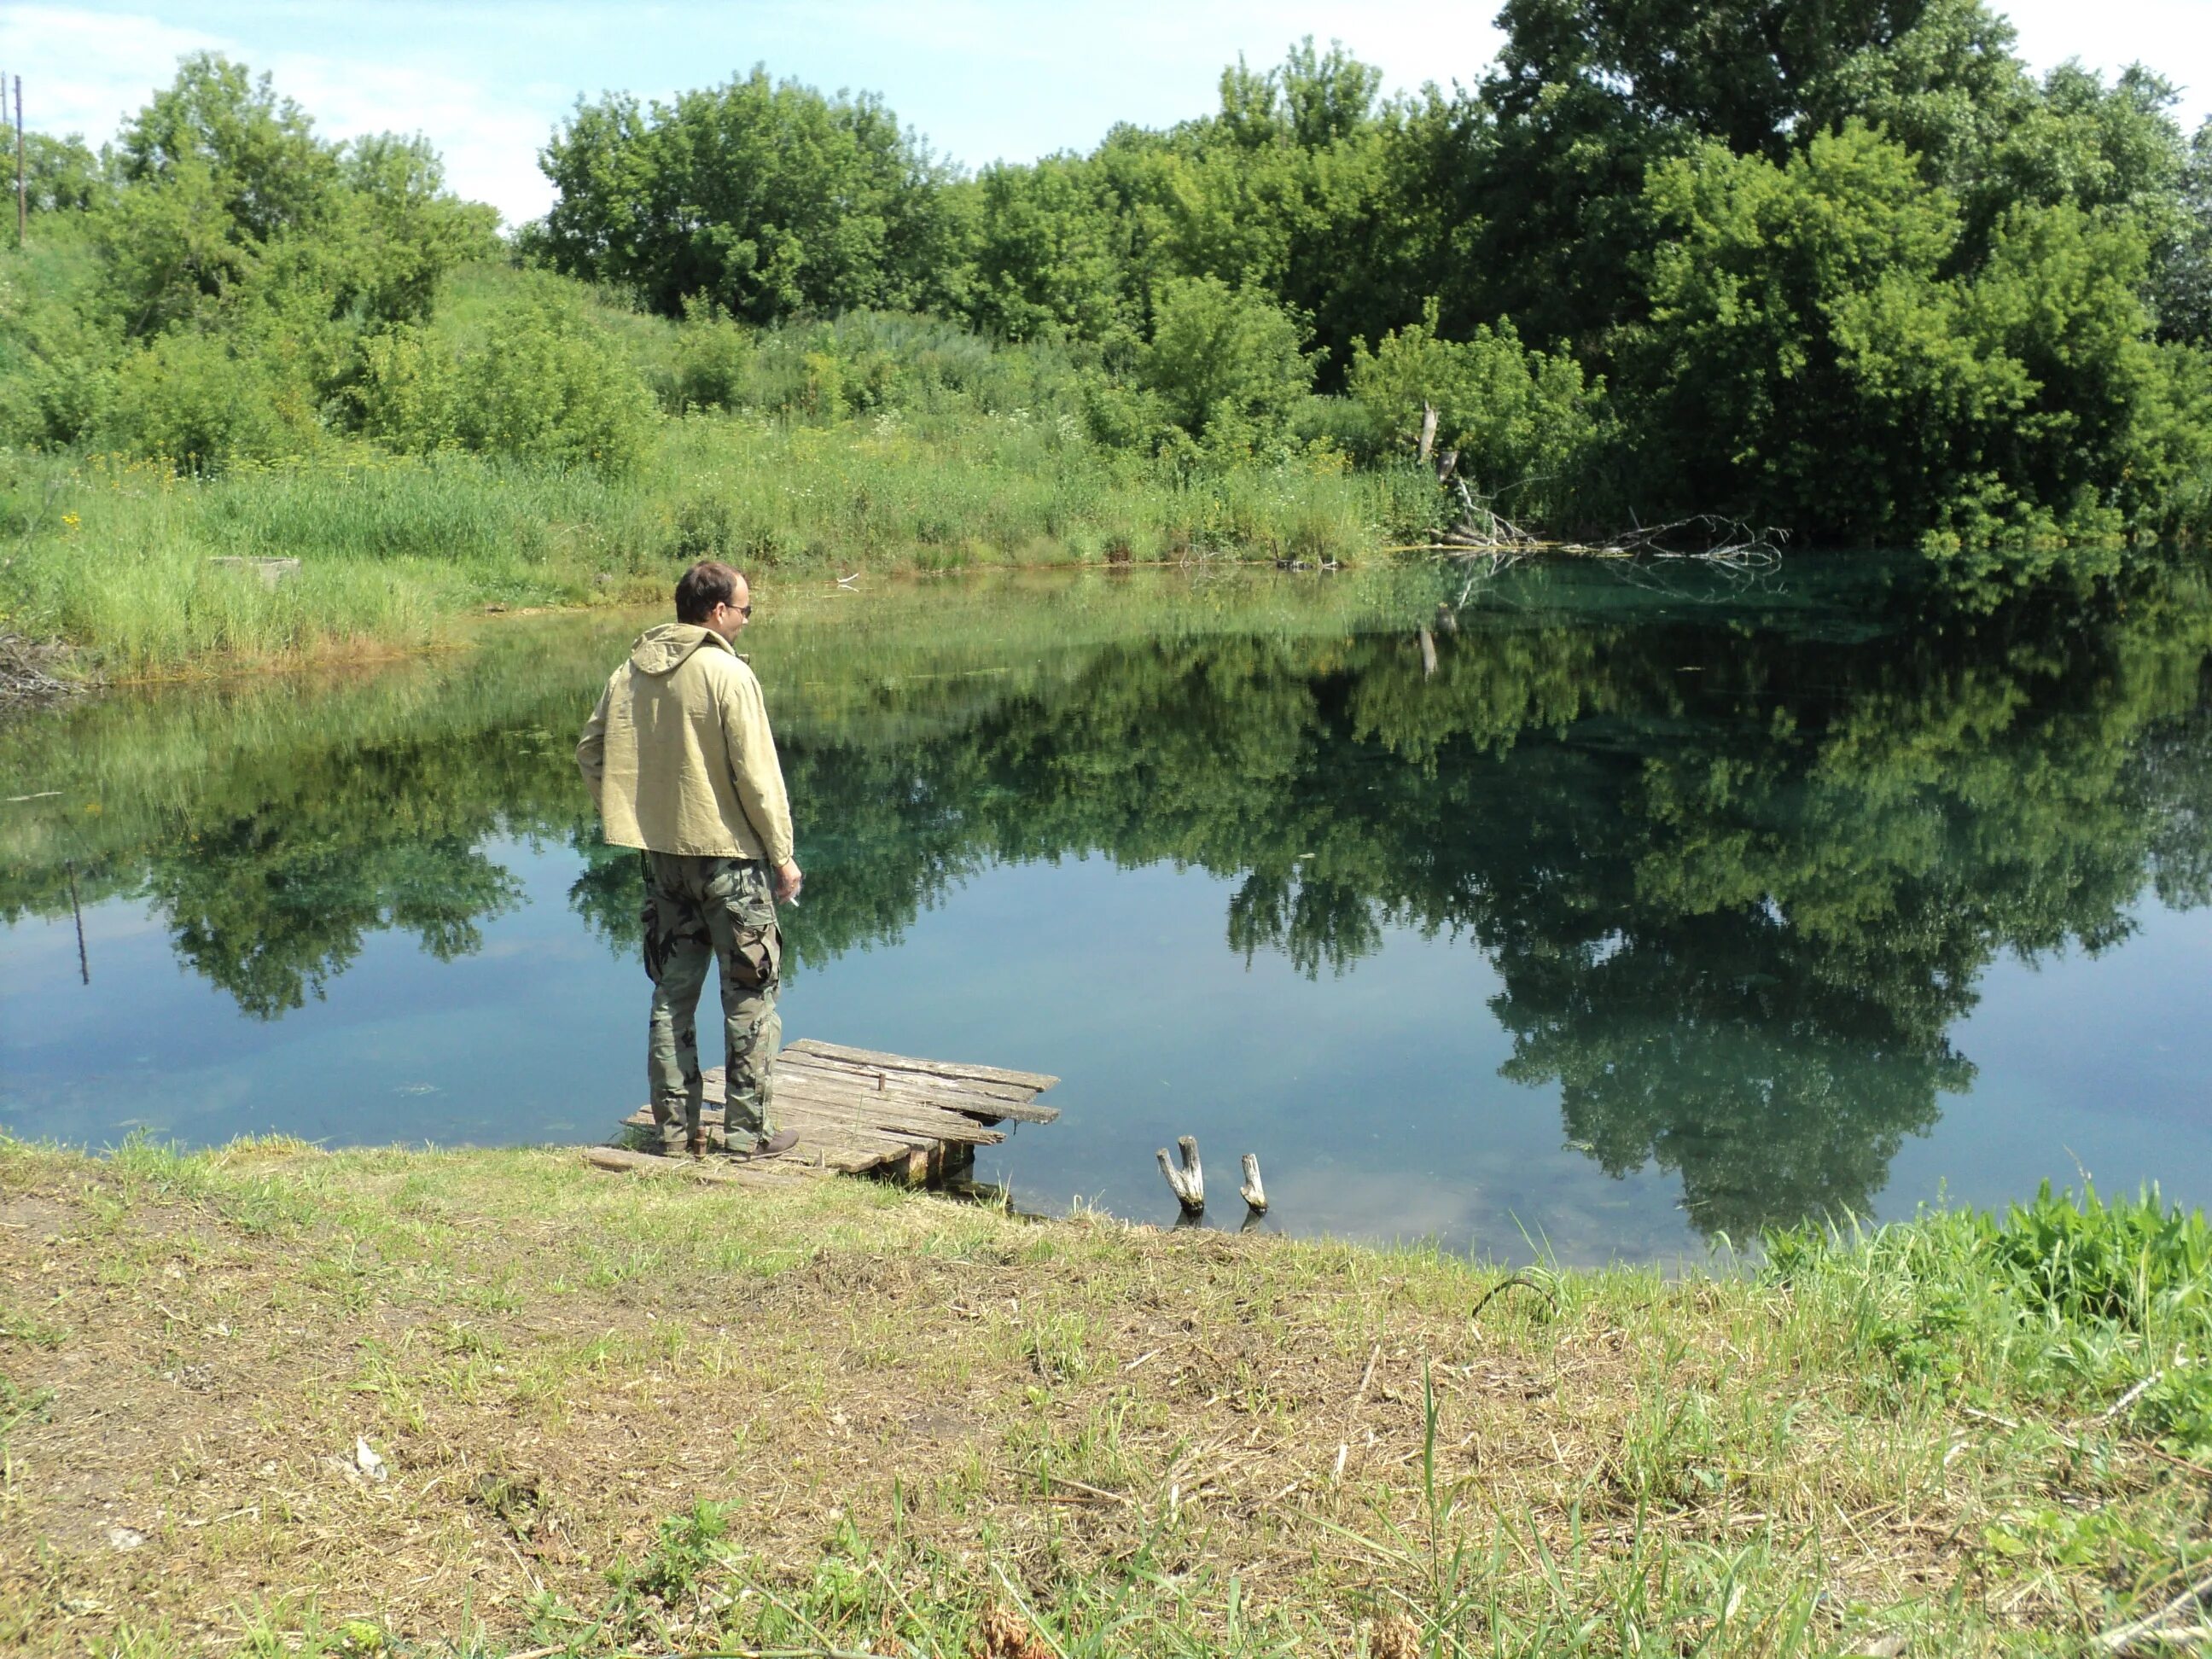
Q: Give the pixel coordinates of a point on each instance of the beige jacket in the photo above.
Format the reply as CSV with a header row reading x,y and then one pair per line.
x,y
677,754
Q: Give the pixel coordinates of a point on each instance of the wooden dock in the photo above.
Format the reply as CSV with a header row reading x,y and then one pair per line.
x,y
861,1112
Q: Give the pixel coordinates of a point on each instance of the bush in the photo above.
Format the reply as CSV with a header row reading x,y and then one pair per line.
x,y
544,386
1224,354
1525,423
715,359
403,396
208,401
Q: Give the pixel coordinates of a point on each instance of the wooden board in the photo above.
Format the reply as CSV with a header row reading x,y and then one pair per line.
x,y
775,1173
862,1111
1035,1082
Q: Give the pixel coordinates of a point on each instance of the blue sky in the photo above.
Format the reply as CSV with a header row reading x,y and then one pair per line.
x,y
982,79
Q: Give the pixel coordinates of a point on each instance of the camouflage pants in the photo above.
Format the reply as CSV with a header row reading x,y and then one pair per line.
x,y
699,910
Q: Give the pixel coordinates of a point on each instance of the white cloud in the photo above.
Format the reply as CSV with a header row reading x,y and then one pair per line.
x,y
490,145
2173,36
85,72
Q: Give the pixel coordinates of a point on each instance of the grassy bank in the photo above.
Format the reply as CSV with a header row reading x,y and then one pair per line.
x,y
879,443
120,557
274,1399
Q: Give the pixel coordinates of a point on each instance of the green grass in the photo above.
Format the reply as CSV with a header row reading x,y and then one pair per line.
x,y
116,557
626,1415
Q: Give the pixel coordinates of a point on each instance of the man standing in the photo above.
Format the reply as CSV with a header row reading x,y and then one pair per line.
x,y
680,763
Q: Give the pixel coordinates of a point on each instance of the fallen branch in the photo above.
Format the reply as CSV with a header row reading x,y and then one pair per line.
x,y
1482,531
23,676
2121,1637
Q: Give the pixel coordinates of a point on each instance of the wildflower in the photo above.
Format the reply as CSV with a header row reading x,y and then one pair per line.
x,y
71,519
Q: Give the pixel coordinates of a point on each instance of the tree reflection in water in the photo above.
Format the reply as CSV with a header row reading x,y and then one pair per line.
x,y
1738,859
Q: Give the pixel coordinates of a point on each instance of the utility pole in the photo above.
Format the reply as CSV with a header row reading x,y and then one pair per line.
x,y
23,200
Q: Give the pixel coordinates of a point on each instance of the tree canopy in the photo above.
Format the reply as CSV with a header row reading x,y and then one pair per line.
x,y
1843,267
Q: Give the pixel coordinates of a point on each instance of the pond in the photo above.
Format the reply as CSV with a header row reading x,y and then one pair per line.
x,y
1603,910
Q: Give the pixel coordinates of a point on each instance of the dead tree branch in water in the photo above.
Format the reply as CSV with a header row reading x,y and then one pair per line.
x,y
1483,532
23,676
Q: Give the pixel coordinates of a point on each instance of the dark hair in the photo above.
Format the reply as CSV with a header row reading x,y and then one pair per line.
x,y
704,585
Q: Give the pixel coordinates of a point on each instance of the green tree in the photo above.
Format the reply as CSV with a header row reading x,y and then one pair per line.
x,y
1052,253
1522,422
1810,360
62,175
764,197
1220,355
2183,289
216,167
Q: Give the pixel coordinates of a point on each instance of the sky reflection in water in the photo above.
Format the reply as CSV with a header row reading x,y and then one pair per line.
x,y
1662,907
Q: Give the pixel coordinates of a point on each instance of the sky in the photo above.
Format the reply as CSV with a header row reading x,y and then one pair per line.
x,y
982,80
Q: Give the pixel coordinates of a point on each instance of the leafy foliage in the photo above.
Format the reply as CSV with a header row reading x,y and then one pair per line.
x,y
764,197
2061,1296
1843,267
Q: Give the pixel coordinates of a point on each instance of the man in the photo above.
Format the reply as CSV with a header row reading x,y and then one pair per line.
x,y
680,763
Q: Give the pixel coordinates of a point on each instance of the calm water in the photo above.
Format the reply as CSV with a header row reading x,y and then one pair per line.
x,y
1607,908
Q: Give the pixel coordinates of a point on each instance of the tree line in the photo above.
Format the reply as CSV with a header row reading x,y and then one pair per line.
x,y
1845,267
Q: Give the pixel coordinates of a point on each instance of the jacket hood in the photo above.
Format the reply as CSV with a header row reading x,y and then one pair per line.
x,y
664,647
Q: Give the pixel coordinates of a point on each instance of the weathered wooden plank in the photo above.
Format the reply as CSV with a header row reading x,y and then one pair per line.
x,y
931,1093
979,1108
775,1172
796,1083
845,1104
1039,1081
860,1111
981,1088
811,1110
917,1081
1003,1103
835,1145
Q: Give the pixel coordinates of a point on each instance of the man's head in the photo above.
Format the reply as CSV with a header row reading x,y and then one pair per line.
x,y
713,596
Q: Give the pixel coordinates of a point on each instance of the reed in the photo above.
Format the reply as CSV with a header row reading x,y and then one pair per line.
x,y
116,556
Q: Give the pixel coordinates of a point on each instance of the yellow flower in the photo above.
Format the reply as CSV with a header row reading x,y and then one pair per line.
x,y
71,519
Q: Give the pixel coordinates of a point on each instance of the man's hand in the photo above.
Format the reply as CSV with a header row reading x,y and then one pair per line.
x,y
788,876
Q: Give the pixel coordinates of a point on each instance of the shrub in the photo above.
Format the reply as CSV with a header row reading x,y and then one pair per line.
x,y
1524,423
1222,353
208,401
544,386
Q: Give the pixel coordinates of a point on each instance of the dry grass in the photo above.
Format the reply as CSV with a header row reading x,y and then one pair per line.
x,y
634,1413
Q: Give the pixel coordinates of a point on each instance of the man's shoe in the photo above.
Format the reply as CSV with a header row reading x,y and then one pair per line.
x,y
696,1146
772,1145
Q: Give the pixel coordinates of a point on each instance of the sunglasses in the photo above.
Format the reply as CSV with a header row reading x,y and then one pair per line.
x,y
744,610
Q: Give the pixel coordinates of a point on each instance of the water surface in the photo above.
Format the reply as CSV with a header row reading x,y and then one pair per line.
x,y
1602,908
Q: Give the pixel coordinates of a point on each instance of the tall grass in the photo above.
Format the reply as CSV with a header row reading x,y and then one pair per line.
x,y
117,555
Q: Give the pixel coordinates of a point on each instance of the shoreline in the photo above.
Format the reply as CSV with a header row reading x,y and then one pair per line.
x,y
493,1402
25,683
